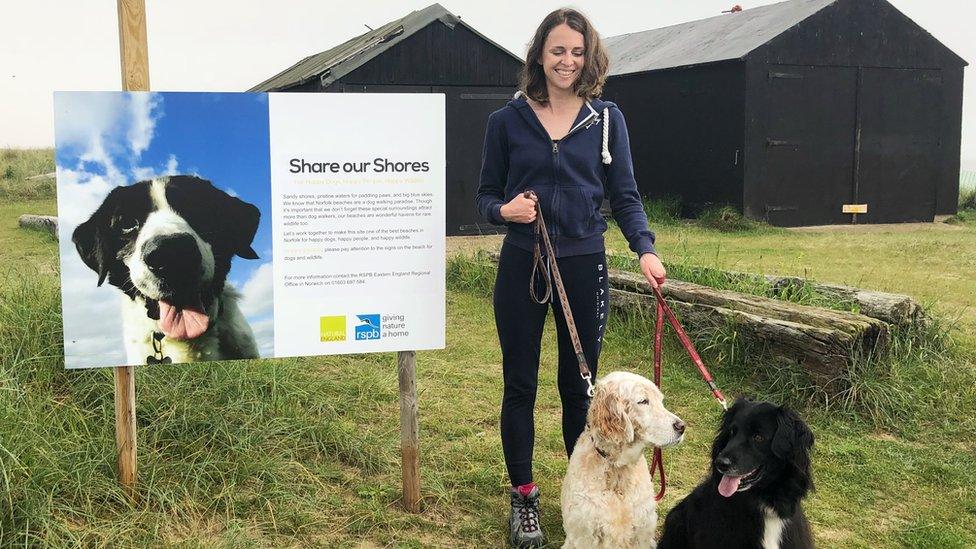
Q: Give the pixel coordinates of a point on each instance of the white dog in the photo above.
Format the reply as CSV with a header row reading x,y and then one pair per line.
x,y
608,496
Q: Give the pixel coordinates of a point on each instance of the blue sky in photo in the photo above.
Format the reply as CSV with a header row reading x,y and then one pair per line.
x,y
222,137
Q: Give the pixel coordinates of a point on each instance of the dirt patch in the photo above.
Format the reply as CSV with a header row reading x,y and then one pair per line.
x,y
469,245
880,228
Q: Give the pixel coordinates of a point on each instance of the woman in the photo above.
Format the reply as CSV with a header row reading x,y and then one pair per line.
x,y
559,140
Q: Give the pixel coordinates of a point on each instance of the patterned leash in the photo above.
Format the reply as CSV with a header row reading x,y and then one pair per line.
x,y
549,266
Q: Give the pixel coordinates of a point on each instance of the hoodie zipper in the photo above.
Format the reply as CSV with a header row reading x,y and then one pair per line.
x,y
585,123
552,203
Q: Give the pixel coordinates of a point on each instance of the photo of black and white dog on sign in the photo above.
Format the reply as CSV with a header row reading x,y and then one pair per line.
x,y
167,244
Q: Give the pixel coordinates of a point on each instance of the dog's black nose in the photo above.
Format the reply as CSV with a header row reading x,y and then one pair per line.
x,y
679,426
722,463
175,254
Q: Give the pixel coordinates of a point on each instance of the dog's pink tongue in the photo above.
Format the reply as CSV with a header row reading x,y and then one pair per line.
x,y
728,485
182,322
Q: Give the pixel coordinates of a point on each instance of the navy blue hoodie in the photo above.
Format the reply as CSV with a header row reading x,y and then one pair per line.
x,y
569,177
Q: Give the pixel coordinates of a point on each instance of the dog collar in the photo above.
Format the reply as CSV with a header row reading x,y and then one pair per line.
x,y
157,342
597,448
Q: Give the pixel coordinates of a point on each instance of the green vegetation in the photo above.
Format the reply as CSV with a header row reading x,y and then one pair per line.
x,y
18,165
967,207
727,220
305,452
967,198
664,211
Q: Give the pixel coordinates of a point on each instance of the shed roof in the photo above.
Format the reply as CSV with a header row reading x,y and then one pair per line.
x,y
336,62
727,36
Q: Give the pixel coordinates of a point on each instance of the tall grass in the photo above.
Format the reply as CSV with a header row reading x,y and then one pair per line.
x,y
896,389
663,211
967,198
251,440
727,220
668,210
966,212
16,165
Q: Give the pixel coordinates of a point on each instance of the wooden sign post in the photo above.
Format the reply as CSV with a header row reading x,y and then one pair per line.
x,y
134,56
409,435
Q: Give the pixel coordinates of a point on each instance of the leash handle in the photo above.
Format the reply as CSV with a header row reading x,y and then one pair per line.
x,y
550,267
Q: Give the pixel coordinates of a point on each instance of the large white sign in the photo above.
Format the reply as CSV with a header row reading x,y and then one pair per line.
x,y
358,193
217,226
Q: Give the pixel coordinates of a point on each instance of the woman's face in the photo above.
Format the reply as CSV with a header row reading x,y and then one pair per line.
x,y
563,56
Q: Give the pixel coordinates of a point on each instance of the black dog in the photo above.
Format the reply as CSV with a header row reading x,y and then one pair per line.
x,y
760,473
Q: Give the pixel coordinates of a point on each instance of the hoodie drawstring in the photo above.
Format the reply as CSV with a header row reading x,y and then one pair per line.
x,y
607,159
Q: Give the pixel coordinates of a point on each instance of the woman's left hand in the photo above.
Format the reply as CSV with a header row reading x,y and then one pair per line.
x,y
653,270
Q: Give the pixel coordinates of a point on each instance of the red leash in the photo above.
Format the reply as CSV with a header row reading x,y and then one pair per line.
x,y
663,310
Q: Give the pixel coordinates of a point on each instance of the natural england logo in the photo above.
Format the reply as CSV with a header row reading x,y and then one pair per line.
x,y
368,327
332,328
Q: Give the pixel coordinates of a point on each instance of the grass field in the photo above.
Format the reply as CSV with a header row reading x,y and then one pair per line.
x,y
305,452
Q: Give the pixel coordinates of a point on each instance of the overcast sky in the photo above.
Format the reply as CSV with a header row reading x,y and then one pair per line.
x,y
224,45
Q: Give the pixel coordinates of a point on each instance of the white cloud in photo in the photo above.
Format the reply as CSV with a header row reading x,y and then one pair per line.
x,y
79,195
257,305
264,335
142,173
102,128
92,316
258,292
142,120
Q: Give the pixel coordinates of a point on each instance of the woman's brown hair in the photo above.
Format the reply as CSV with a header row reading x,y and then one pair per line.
x,y
589,85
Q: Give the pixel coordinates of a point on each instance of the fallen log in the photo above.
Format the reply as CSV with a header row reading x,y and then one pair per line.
x,y
49,175
851,324
46,223
896,309
824,342
824,353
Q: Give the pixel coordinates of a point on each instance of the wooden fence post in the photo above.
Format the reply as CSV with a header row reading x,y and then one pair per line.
x,y
134,56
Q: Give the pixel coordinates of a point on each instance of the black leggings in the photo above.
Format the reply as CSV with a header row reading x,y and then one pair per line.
x,y
520,321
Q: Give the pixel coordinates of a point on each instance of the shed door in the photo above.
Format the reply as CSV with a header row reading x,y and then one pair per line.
x,y
899,168
467,117
809,144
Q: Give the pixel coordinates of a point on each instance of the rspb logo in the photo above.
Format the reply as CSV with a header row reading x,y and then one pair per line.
x,y
368,327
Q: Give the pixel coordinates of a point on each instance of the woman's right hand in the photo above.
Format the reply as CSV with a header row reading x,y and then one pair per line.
x,y
519,210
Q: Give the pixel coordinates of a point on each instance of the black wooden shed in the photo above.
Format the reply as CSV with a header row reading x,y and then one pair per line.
x,y
793,110
427,51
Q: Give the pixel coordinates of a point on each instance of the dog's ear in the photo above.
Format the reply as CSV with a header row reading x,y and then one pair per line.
x,y
792,443
241,224
793,439
609,418
93,239
724,430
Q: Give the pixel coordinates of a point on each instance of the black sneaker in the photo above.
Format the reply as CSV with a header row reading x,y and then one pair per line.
x,y
525,529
